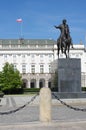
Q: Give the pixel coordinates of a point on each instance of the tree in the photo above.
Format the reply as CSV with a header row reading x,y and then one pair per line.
x,y
10,79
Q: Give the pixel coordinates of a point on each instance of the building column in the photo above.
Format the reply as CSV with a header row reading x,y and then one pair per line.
x,y
37,83
46,83
28,84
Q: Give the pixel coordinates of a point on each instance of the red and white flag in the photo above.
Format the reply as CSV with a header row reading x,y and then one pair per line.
x,y
19,20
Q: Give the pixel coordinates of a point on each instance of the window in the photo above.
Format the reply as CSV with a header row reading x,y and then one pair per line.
x,y
41,68
5,56
41,56
32,68
23,56
77,55
5,46
14,46
14,56
49,68
23,45
50,55
23,68
32,56
32,46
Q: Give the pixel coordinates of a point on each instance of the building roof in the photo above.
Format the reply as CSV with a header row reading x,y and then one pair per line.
x,y
27,41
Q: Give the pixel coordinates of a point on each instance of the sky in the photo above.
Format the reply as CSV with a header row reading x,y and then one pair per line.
x,y
40,16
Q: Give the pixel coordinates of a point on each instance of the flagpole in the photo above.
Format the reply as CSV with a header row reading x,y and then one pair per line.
x,y
20,22
21,29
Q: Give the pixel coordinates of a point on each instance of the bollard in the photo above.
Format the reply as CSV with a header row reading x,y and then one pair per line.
x,y
45,104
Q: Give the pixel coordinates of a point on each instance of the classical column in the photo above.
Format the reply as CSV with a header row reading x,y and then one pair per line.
x,y
37,83
46,83
28,84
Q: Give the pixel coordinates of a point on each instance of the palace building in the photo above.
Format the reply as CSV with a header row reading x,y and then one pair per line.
x,y
36,59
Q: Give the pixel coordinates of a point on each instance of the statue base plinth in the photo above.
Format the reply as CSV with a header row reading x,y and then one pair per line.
x,y
69,75
70,95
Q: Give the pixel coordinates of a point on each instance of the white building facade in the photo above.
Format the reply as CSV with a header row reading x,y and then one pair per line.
x,y
34,59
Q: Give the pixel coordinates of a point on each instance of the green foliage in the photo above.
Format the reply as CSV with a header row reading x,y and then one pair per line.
x,y
31,90
10,78
83,88
13,90
1,94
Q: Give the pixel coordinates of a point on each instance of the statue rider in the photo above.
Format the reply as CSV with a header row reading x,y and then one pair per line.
x,y
65,34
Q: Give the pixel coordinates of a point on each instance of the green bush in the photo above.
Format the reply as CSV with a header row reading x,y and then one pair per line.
x,y
1,94
31,90
10,79
83,88
8,90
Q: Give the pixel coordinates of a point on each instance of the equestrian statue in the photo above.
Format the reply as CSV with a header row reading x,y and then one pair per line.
x,y
64,41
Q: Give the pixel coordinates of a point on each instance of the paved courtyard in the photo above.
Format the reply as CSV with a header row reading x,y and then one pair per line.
x,y
27,118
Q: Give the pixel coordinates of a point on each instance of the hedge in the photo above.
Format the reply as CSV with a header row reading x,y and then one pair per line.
x,y
1,94
31,90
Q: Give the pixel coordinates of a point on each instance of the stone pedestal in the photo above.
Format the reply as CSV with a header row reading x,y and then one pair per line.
x,y
69,75
45,104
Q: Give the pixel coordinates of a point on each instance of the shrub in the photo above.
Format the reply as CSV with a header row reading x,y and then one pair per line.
x,y
83,88
31,90
8,90
1,94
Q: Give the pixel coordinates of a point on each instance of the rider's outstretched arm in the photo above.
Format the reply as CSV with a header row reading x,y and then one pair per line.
x,y
58,27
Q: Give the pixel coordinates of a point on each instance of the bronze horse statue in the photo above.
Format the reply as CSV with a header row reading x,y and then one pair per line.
x,y
64,41
64,46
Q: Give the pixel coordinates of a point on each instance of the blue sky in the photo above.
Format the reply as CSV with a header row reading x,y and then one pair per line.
x,y
39,18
